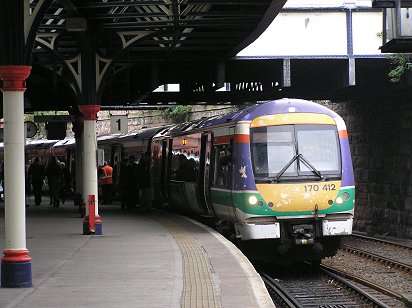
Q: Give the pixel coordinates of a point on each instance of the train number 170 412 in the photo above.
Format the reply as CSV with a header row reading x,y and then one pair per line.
x,y
327,187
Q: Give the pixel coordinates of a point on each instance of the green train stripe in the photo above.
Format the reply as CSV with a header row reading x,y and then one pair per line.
x,y
241,200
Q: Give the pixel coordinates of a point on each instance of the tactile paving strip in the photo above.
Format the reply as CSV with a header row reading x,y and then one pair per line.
x,y
198,290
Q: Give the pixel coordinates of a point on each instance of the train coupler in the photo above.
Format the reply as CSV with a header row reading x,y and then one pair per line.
x,y
303,234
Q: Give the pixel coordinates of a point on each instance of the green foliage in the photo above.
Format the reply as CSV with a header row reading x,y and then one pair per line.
x,y
178,113
402,63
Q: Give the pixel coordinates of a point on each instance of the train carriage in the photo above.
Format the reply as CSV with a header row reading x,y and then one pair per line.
x,y
278,176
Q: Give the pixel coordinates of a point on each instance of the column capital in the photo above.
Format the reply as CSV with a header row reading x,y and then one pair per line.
x,y
89,111
14,77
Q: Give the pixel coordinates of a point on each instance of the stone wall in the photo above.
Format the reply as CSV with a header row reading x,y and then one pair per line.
x,y
147,118
380,134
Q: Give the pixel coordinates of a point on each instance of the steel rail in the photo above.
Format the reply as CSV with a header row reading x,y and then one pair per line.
x,y
280,291
394,263
368,283
354,287
386,241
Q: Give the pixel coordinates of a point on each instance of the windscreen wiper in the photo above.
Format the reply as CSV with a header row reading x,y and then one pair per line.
x,y
281,172
310,166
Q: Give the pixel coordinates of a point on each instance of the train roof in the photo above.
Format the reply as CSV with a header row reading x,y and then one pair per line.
x,y
67,142
143,133
284,105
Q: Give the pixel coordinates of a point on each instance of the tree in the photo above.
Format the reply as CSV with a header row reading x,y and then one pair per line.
x,y
403,64
178,113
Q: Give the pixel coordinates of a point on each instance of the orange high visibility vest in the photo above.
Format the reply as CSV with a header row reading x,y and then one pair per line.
x,y
107,177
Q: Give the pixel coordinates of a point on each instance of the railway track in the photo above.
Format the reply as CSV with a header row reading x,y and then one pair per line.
x,y
374,261
391,250
402,266
389,242
323,289
378,264
384,295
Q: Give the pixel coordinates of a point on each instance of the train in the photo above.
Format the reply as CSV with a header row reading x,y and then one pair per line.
x,y
275,178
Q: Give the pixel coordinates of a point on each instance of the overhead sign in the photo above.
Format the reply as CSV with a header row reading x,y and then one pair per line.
x,y
56,130
119,124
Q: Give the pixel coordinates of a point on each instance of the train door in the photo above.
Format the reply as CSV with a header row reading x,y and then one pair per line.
x,y
164,170
156,169
205,172
115,160
222,165
169,156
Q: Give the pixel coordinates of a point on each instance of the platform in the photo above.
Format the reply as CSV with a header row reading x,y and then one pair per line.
x,y
152,259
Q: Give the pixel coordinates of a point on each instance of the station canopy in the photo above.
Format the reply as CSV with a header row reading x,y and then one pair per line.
x,y
127,53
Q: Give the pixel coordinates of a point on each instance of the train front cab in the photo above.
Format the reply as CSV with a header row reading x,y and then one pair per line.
x,y
297,191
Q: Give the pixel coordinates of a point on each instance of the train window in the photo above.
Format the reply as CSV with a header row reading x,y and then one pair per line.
x,y
319,145
272,148
156,149
185,158
275,147
223,165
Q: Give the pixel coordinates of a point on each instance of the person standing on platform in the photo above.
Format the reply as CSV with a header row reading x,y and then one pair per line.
x,y
65,182
132,189
145,186
124,178
36,174
106,181
27,178
54,175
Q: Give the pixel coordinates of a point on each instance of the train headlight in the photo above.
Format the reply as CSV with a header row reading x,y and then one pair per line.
x,y
345,196
339,200
253,200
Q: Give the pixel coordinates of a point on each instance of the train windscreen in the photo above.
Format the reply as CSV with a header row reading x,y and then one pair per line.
x,y
295,151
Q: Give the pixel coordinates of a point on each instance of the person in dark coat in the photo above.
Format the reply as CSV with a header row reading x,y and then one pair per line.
x,y
54,176
36,174
124,178
145,185
132,188
65,182
27,178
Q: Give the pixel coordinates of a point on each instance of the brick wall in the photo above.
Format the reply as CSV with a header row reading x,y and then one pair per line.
x,y
380,134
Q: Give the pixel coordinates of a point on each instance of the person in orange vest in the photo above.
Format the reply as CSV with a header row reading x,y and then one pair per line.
x,y
106,181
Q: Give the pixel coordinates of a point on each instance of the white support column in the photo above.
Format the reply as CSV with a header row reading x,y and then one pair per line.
x,y
16,263
89,167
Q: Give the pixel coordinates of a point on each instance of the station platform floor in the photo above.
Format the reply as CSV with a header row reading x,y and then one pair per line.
x,y
155,259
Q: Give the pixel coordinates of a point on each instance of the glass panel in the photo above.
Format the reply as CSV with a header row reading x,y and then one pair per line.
x,y
223,165
272,149
319,146
274,146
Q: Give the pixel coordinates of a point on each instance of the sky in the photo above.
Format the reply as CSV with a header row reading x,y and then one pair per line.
x,y
326,3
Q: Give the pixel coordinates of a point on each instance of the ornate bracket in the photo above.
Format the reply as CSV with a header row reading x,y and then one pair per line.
x,y
129,37
75,66
102,65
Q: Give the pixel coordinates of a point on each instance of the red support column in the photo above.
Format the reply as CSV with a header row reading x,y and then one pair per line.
x,y
16,263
